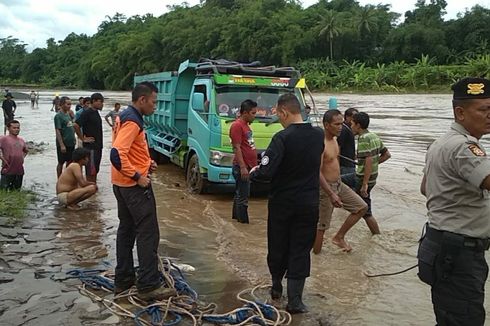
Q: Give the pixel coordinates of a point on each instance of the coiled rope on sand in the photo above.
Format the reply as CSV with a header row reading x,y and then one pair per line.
x,y
185,304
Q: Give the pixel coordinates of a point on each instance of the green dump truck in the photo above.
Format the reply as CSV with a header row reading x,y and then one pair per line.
x,y
196,106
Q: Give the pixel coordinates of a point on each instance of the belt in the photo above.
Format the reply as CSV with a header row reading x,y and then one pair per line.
x,y
458,240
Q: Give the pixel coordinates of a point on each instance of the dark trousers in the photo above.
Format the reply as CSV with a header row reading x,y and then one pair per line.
x,y
367,199
291,232
93,165
137,221
242,192
348,176
11,182
457,274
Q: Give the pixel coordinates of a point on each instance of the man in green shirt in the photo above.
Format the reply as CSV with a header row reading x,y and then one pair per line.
x,y
370,153
65,134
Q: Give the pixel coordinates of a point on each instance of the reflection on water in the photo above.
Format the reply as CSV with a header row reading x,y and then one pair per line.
x,y
227,255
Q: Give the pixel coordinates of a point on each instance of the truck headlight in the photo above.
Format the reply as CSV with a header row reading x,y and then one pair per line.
x,y
220,158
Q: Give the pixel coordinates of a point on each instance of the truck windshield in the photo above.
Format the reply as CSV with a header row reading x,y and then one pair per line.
x,y
229,98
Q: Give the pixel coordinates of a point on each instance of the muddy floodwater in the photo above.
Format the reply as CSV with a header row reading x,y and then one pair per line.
x,y
228,256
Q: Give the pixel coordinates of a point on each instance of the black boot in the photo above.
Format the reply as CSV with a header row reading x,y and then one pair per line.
x,y
276,290
234,214
242,214
295,294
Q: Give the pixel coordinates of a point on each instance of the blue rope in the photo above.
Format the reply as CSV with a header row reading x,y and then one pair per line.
x,y
156,317
92,279
235,318
180,284
266,309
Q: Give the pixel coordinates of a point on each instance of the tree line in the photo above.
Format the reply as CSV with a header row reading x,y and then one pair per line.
x,y
337,44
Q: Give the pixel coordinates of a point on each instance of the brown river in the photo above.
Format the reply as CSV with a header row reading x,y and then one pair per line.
x,y
227,256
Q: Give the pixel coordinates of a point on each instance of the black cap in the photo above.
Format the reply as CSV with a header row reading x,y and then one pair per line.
x,y
471,88
9,95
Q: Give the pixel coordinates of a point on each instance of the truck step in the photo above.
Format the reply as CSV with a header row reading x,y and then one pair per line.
x,y
165,143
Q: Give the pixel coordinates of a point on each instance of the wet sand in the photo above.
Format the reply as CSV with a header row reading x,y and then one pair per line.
x,y
228,256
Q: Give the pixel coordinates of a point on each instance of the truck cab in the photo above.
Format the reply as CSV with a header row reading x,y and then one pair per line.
x,y
195,109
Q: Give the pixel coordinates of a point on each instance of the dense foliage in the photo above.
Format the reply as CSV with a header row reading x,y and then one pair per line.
x,y
338,44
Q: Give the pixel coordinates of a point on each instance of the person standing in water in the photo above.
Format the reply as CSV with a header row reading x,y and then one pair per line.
x,y
334,192
245,158
292,164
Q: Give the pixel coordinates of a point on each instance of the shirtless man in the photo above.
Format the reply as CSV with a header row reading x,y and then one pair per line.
x,y
335,193
72,187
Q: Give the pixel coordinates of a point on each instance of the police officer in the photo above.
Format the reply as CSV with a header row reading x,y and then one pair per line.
x,y
292,164
456,183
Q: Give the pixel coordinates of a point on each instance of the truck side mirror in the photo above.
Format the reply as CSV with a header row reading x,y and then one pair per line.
x,y
198,102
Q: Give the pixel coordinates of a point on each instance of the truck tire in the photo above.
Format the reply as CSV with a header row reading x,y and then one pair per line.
x,y
195,181
158,157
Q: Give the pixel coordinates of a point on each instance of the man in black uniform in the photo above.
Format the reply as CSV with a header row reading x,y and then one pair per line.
x,y
347,146
292,163
456,183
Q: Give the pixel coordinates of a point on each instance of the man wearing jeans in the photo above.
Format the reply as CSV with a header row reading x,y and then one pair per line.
x,y
245,158
136,207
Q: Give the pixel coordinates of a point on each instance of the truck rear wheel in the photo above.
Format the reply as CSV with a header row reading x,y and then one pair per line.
x,y
158,157
195,180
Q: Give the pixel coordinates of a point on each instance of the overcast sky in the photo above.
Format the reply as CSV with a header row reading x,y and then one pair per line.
x,y
35,21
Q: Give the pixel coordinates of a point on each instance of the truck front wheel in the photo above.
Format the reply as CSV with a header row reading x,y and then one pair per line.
x,y
195,180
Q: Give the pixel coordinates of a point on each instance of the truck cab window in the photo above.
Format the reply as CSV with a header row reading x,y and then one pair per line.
x,y
203,90
229,98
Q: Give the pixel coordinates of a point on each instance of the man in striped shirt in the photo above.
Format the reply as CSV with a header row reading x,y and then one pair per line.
x,y
370,153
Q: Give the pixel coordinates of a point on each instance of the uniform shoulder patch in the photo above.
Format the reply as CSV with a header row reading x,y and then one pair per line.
x,y
264,160
476,150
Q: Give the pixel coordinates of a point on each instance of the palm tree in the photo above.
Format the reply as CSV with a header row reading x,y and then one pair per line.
x,y
329,28
367,19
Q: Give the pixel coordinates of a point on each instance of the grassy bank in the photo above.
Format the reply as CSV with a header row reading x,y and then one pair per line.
x,y
14,204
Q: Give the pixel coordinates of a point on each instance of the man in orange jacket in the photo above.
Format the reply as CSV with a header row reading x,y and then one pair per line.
x,y
131,169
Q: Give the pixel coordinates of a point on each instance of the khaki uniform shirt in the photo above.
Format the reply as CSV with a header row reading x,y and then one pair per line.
x,y
456,165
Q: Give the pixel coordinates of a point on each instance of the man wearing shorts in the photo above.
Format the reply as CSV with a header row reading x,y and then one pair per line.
x,y
89,129
72,187
335,193
65,134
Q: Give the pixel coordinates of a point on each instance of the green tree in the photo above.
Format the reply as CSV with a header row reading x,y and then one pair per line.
x,y
330,28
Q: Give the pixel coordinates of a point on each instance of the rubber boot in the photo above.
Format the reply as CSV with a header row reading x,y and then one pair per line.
x,y
295,293
234,214
242,214
276,290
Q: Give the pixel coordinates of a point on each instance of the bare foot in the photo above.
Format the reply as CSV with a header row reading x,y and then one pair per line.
x,y
342,244
73,207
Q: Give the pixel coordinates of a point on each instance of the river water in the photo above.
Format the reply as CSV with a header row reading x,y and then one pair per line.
x,y
228,256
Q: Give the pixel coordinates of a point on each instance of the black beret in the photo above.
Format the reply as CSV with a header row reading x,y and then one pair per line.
x,y
471,88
